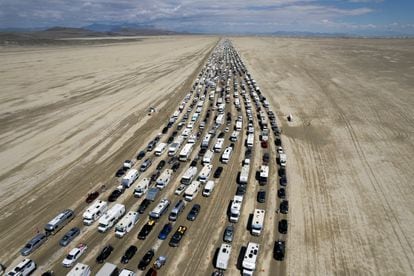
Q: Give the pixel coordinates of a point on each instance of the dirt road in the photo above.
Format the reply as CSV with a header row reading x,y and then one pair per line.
x,y
349,149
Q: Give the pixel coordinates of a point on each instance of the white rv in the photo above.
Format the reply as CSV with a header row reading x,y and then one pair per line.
x,y
223,256
130,178
208,157
164,179
173,148
94,212
282,159
192,139
208,188
107,269
191,192
234,135
225,157
205,173
250,140
258,221
264,174
250,257
126,223
160,149
186,152
220,119
219,144
111,217
236,208
244,174
186,132
188,176
160,209
80,270
239,125
206,141
142,187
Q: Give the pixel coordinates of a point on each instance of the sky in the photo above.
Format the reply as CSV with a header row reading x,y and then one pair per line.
x,y
360,17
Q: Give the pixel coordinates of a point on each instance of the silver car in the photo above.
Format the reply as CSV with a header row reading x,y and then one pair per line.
x,y
33,244
69,236
228,233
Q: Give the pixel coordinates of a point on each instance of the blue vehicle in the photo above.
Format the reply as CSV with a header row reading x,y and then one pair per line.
x,y
165,231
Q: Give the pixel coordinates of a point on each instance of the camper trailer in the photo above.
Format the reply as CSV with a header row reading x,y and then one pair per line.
x,y
53,226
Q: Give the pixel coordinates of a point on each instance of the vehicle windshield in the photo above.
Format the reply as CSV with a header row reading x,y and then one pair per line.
x,y
70,257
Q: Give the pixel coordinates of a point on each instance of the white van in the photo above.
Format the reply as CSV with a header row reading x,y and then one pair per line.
x,y
130,178
205,173
25,267
160,149
126,224
208,188
219,144
225,157
142,187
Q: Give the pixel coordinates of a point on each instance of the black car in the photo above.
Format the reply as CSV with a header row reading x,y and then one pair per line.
x,y
172,160
157,139
146,229
91,197
106,251
129,253
146,259
279,250
283,181
261,196
221,135
284,207
266,158
114,195
120,172
192,215
151,145
218,172
248,154
178,235
281,193
170,140
164,130
175,166
283,226
174,133
161,165
241,190
143,206
282,172
155,175
141,155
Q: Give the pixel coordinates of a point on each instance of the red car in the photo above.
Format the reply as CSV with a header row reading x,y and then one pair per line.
x,y
264,144
92,196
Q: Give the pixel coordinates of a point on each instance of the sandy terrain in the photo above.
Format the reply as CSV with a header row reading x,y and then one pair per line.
x,y
70,115
349,149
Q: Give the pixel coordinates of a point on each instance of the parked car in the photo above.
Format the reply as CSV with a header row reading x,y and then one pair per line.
x,y
178,235
161,165
141,155
283,226
151,145
114,195
74,255
69,236
165,231
241,190
218,172
159,262
146,229
164,130
192,215
146,260
281,193
170,140
106,251
279,250
91,197
266,158
145,165
172,160
193,163
175,166
261,196
284,207
180,189
143,206
283,181
120,172
25,267
129,253
264,144
33,244
228,233
155,175
248,154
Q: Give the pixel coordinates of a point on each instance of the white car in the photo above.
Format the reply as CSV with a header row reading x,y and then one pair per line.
x,y
74,254
180,189
25,267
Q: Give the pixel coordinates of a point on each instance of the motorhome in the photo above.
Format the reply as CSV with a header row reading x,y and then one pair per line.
x,y
205,173
94,212
191,192
282,159
208,157
244,174
239,125
111,217
160,149
130,178
192,139
221,108
208,188
206,141
250,140
257,222
220,119
188,176
264,174
160,209
126,224
57,223
163,180
80,269
186,132
219,144
223,256
250,257
142,187
236,208
186,152
234,135
225,157
173,148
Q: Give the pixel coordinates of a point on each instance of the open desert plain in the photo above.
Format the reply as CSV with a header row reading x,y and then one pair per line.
x,y
70,115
